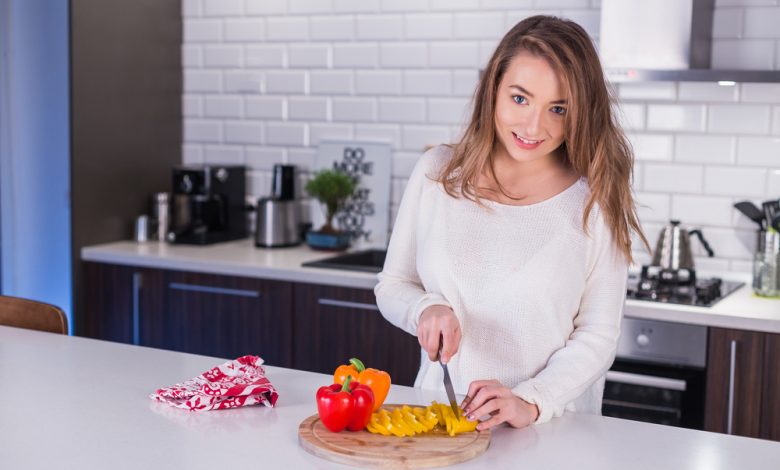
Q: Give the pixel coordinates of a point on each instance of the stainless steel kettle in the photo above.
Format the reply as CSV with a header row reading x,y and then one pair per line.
x,y
673,250
278,223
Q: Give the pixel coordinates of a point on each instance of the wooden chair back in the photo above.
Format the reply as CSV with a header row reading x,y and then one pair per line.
x,y
33,315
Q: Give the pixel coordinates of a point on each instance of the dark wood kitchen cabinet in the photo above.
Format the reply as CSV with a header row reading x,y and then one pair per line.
x,y
743,388
334,324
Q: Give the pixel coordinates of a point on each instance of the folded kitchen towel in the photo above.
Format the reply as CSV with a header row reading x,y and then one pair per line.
x,y
241,382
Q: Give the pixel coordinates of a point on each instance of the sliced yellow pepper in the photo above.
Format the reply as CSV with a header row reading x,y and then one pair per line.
x,y
407,421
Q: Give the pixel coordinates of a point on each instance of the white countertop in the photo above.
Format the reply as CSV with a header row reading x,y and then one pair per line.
x,y
741,309
68,402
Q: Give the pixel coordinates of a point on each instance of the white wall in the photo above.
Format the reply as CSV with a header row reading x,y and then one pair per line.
x,y
266,80
34,166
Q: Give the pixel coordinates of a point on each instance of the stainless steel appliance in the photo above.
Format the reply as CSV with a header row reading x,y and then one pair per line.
x,y
278,218
208,204
673,249
659,374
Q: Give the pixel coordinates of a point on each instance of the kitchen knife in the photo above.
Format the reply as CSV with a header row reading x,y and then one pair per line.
x,y
448,382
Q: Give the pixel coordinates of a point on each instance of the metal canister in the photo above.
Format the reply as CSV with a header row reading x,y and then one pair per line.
x,y
766,264
161,213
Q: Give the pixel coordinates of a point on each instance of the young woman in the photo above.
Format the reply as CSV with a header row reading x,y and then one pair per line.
x,y
510,249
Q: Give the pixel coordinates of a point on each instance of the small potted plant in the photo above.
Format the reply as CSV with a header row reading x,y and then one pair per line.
x,y
332,188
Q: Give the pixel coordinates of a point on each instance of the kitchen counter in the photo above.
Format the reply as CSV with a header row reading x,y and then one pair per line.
x,y
740,310
69,402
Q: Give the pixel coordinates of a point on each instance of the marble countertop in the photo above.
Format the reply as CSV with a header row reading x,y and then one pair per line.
x,y
69,402
740,310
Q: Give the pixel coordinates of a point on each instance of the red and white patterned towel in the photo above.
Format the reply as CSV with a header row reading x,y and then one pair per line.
x,y
241,382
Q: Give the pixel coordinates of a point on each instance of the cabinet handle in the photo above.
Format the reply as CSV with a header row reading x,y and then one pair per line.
x,y
732,377
344,303
136,305
213,290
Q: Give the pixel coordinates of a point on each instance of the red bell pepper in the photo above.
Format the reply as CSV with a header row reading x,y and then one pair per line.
x,y
345,406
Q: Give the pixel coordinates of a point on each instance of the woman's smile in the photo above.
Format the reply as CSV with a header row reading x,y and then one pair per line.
x,y
527,144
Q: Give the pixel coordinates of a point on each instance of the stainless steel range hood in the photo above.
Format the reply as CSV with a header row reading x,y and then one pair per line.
x,y
664,40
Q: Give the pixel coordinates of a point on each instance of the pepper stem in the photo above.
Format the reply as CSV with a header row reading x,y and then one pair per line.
x,y
358,364
345,387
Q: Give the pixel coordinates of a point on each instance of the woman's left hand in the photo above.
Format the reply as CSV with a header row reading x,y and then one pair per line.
x,y
489,397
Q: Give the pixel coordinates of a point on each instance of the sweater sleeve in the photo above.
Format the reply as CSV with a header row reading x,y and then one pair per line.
x,y
590,349
400,294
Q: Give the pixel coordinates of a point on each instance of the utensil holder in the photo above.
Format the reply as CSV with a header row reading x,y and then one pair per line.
x,y
766,265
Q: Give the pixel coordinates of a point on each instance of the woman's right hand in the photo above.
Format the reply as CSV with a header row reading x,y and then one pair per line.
x,y
438,324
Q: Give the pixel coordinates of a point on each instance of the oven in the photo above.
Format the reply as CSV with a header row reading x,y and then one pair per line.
x,y
659,374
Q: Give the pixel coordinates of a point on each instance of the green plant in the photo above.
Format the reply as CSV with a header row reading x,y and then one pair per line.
x,y
332,188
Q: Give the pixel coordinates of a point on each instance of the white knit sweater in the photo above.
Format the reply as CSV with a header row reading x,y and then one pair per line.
x,y
539,301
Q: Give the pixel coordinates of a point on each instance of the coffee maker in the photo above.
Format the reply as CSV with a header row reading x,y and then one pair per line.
x,y
208,204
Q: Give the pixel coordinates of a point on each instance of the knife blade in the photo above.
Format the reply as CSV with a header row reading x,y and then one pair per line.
x,y
448,382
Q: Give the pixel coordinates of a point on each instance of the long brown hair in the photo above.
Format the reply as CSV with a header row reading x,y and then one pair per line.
x,y
594,144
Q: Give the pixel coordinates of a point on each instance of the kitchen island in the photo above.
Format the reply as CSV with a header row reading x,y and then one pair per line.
x,y
68,402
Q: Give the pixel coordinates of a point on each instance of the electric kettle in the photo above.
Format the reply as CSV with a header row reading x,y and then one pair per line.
x,y
673,250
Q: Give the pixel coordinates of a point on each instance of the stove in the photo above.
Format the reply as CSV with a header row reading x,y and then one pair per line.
x,y
678,286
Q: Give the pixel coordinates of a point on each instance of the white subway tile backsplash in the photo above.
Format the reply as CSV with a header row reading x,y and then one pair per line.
x,y
453,5
191,8
192,154
448,110
223,7
258,183
427,83
734,181
319,132
264,56
486,50
249,30
653,207
223,106
698,91
590,20
354,109
192,106
307,109
263,158
704,149
480,25
404,5
407,54
304,159
222,56
738,119
428,26
637,181
380,27
202,80
266,7
285,82
196,130
687,179
332,28
287,28
761,93
702,210
202,30
224,154
308,56
380,133
454,54
762,22
676,117
327,82
652,146
738,266
417,138
380,82
506,4
286,133
464,82
648,91
243,82
355,6
299,7
265,107
776,120
192,56
244,132
727,23
729,243
561,3
759,151
402,109
714,265
743,54
355,55
773,183
631,116
403,164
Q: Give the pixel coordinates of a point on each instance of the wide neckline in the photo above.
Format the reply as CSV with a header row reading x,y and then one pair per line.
x,y
554,197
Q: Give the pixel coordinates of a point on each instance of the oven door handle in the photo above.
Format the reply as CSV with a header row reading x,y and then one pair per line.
x,y
646,380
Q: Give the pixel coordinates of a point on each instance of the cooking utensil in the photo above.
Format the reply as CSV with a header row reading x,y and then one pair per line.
x,y
776,223
673,250
751,211
448,381
771,208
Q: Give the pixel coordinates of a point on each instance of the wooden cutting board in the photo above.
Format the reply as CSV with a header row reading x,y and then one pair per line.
x,y
364,449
